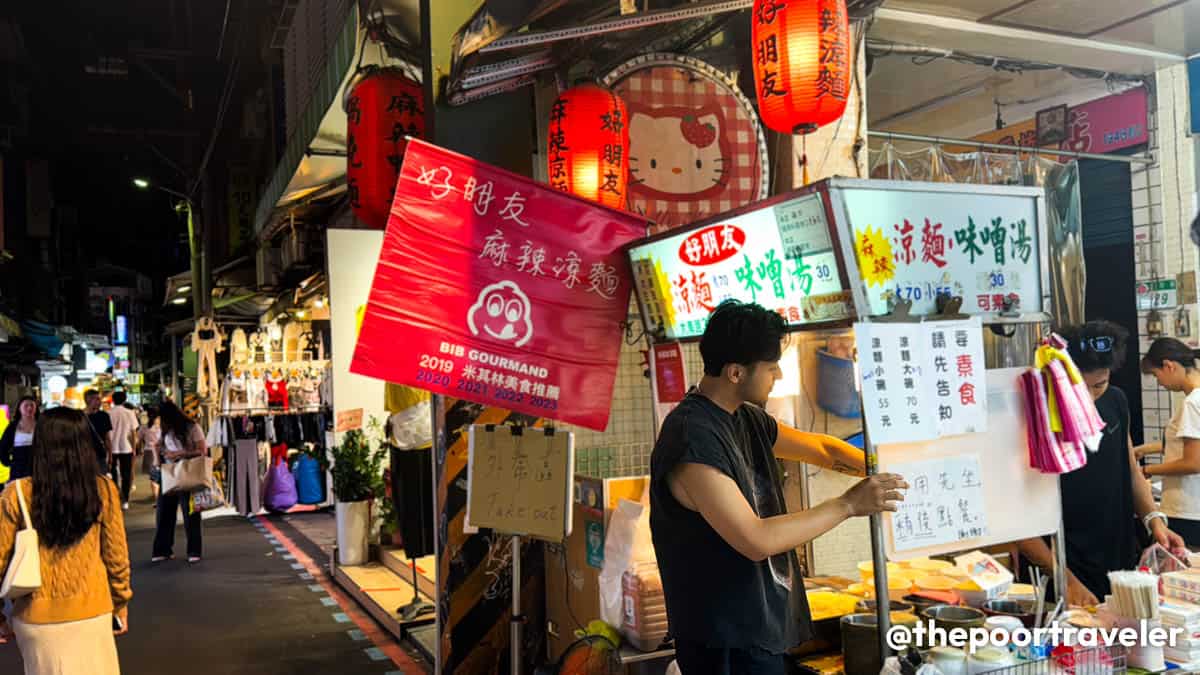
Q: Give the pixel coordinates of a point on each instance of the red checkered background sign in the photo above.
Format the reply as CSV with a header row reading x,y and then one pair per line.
x,y
696,146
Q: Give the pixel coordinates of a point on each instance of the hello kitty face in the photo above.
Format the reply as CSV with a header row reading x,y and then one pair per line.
x,y
676,153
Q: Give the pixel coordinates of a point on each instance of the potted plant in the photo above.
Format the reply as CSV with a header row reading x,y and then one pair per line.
x,y
356,479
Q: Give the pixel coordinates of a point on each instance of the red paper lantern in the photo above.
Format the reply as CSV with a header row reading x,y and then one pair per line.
x,y
383,107
588,145
802,62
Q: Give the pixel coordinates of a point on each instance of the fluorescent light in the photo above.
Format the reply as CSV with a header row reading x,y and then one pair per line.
x,y
184,288
141,183
179,301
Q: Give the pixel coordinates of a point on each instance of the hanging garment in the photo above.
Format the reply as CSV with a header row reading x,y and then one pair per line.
x,y
277,391
239,348
206,342
327,386
256,347
256,392
291,340
245,484
295,388
310,392
237,397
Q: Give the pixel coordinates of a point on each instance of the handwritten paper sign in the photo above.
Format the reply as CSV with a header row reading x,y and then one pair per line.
x,y
520,483
348,420
922,381
944,503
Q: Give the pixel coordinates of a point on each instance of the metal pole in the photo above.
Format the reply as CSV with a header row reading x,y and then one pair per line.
x,y
883,604
196,263
175,368
1060,558
441,583
514,648
999,146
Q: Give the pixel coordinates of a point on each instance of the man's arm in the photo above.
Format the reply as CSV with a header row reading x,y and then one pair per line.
x,y
1039,554
717,498
819,450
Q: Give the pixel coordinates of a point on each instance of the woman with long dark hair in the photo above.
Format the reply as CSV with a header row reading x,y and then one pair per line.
x,y
67,625
17,440
1174,365
181,439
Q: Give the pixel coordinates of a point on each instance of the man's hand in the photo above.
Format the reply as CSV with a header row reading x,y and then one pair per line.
x,y
1078,595
875,494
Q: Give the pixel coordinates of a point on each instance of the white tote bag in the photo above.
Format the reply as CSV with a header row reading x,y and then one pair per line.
x,y
24,574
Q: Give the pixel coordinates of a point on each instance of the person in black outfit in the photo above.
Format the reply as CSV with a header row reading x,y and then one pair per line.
x,y
1103,502
102,427
724,539
15,453
181,439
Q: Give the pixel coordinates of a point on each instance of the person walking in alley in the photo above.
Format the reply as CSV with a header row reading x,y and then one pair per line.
x,y
101,423
181,438
17,441
149,440
124,429
67,625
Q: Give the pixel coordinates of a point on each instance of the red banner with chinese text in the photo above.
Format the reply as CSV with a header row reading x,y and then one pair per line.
x,y
496,289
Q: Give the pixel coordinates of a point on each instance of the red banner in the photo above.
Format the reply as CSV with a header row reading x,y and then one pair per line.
x,y
496,289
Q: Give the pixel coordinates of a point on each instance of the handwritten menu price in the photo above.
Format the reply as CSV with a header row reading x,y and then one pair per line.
x,y
922,381
943,504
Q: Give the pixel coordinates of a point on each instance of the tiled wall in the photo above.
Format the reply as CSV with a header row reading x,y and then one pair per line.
x,y
1164,203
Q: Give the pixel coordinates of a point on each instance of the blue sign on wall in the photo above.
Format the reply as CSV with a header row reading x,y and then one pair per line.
x,y
1193,70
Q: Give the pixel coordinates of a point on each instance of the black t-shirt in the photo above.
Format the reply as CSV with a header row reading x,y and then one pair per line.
x,y
101,425
1097,502
715,595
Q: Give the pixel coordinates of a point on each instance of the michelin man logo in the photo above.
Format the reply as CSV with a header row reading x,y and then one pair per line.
x,y
503,312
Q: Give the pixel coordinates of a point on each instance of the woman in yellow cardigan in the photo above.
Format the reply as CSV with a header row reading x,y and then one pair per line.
x,y
67,625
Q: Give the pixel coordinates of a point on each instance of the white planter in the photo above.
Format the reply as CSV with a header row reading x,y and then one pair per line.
x,y
353,523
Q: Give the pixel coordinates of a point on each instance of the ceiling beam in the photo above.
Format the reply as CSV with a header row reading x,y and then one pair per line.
x,y
933,21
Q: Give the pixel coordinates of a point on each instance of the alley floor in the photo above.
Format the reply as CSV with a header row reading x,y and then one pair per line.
x,y
260,602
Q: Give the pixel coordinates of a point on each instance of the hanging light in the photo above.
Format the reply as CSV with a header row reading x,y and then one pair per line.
x,y
588,145
802,62
382,107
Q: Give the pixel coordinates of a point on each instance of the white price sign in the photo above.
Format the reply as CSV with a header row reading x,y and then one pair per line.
x,y
1157,294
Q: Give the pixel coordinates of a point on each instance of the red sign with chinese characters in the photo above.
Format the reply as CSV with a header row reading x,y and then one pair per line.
x,y
670,377
712,245
496,289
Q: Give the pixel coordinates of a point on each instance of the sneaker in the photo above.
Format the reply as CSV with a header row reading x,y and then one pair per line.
x,y
161,558
125,506
193,559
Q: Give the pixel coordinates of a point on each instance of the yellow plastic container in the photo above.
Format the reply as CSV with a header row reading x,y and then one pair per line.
x,y
830,604
930,566
936,582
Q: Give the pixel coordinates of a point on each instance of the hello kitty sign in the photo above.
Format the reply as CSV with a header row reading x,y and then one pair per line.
x,y
696,147
496,289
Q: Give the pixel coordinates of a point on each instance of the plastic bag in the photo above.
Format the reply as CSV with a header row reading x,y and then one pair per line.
x,y
626,543
309,488
892,666
1158,560
280,489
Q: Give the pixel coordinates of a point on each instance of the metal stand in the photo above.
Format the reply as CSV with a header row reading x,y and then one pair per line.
x,y
883,600
417,607
517,622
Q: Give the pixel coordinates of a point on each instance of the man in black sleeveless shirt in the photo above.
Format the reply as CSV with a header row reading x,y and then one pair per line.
x,y
724,539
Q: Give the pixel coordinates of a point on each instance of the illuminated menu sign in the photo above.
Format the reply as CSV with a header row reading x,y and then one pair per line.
x,y
780,256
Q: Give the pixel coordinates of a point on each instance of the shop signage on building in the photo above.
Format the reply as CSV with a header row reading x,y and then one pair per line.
x,y
1157,294
913,245
496,289
1103,125
780,256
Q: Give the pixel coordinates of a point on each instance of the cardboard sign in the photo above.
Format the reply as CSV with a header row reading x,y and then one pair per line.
x,y
348,420
519,481
496,289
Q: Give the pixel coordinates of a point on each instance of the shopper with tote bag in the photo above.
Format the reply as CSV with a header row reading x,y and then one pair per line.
x,y
186,468
64,555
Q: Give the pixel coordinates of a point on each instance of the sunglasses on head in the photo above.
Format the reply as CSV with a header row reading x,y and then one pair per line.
x,y
1100,345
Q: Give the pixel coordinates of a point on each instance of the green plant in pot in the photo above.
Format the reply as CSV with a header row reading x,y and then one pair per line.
x,y
356,480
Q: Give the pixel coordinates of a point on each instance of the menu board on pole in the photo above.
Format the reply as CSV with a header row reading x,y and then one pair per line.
x,y
922,380
779,254
519,481
915,241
